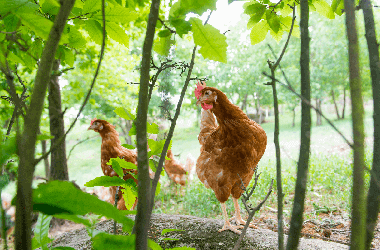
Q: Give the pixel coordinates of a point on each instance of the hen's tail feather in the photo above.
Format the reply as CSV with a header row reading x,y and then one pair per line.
x,y
208,125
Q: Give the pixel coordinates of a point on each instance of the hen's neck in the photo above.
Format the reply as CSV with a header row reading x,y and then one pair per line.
x,y
110,136
224,110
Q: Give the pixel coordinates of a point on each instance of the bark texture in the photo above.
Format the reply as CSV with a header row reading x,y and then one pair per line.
x,y
58,168
303,162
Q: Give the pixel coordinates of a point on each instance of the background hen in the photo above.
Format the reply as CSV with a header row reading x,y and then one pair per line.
x,y
178,172
230,151
111,148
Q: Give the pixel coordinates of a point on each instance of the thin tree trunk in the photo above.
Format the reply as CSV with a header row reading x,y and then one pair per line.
x,y
344,101
358,210
58,168
373,199
335,105
143,205
303,162
28,138
46,160
294,117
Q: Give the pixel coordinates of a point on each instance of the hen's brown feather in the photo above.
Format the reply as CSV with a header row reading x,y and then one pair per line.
x,y
111,148
230,151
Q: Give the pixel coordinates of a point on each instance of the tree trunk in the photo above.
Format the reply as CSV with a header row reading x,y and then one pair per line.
x,y
303,162
373,199
335,105
244,104
58,168
46,160
294,117
143,205
344,101
318,102
358,212
27,142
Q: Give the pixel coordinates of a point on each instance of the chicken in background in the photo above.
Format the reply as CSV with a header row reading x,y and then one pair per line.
x,y
178,172
230,151
111,148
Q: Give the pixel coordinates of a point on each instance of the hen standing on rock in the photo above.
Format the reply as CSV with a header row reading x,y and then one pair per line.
x,y
111,148
230,152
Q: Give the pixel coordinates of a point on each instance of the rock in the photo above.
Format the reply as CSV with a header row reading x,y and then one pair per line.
x,y
200,233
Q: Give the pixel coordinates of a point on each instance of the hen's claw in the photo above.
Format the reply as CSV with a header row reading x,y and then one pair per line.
x,y
228,226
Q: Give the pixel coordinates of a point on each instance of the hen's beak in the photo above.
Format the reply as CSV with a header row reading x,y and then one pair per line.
x,y
92,127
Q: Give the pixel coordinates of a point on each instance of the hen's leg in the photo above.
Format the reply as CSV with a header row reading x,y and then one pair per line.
x,y
237,217
227,224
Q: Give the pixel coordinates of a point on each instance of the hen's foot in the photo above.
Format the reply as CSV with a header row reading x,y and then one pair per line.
x,y
228,226
240,221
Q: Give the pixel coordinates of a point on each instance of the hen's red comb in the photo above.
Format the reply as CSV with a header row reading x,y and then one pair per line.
x,y
200,86
92,121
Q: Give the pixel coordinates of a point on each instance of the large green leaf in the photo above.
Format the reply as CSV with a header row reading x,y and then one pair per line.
x,y
181,26
338,6
125,113
116,33
76,39
259,32
115,162
63,194
198,7
91,6
17,5
117,14
273,21
213,43
51,7
129,197
11,22
95,30
162,45
324,9
104,241
152,128
122,163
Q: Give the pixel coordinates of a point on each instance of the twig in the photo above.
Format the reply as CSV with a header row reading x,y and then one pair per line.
x,y
60,140
171,30
88,138
251,214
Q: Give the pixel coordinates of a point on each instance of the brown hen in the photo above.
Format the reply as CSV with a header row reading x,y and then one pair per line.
x,y
111,148
178,172
230,151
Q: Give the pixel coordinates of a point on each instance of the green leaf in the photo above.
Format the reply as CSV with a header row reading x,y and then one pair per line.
x,y
49,209
273,21
162,46
41,26
181,26
213,44
132,131
14,58
128,146
17,5
258,32
76,40
105,181
125,113
277,36
104,241
69,57
157,146
51,7
43,137
116,33
129,197
337,6
257,16
117,14
11,22
91,6
122,163
324,9
164,33
41,230
167,230
152,165
198,7
115,162
74,218
153,245
95,31
8,148
158,188
63,194
152,128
